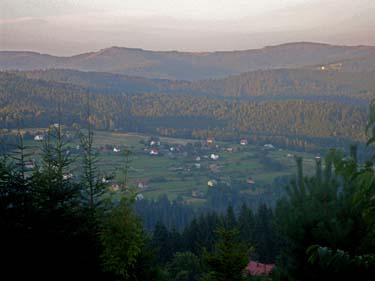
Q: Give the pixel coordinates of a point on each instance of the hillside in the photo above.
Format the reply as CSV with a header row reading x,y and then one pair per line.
x,y
267,84
303,123
195,66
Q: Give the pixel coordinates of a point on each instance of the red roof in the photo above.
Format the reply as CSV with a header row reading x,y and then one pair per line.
x,y
257,268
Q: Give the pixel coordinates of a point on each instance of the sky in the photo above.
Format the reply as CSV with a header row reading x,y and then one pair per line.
x,y
67,27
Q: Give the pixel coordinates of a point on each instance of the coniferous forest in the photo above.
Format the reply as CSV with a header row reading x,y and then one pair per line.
x,y
295,122
58,229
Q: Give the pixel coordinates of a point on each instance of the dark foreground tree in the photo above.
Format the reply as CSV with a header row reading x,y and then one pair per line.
x,y
229,258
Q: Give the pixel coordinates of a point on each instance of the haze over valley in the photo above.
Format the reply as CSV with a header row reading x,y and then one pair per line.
x,y
176,140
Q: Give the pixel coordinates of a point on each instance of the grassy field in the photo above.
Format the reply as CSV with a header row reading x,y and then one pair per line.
x,y
178,173
178,176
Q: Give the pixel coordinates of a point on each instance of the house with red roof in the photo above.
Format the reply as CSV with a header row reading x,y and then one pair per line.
x,y
210,140
259,269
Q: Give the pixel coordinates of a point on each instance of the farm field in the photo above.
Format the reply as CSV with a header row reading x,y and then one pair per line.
x,y
184,167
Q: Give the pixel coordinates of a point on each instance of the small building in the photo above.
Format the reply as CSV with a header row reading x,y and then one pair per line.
x,y
259,269
243,142
210,140
214,168
29,164
197,193
154,141
139,197
197,165
212,183
269,146
67,176
250,180
154,152
114,187
214,156
197,158
39,138
142,184
115,149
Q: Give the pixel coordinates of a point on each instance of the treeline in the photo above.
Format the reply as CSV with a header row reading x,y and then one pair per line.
x,y
293,123
254,229
178,214
280,83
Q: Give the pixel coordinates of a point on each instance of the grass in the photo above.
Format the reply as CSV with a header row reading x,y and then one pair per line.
x,y
178,176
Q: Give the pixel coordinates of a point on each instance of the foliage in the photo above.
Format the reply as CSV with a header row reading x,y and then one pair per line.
x,y
305,124
185,266
229,258
122,239
328,233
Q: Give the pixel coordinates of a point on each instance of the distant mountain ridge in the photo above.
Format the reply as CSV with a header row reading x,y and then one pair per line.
x,y
196,66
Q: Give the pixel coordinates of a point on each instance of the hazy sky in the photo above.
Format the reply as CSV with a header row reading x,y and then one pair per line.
x,y
66,27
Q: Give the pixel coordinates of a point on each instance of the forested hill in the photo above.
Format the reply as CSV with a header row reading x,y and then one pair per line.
x,y
280,84
291,123
197,66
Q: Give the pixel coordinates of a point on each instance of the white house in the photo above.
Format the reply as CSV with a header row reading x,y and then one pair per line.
x,y
115,149
67,176
243,142
269,146
39,138
139,197
214,156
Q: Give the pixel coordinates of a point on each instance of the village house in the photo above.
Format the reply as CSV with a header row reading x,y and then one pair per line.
x,y
230,149
154,152
114,187
154,141
259,269
243,142
39,138
197,193
269,146
210,140
29,164
214,156
212,183
67,176
250,180
105,180
142,184
139,197
115,149
214,168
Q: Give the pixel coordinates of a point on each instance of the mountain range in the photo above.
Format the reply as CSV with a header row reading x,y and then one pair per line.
x,y
176,65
